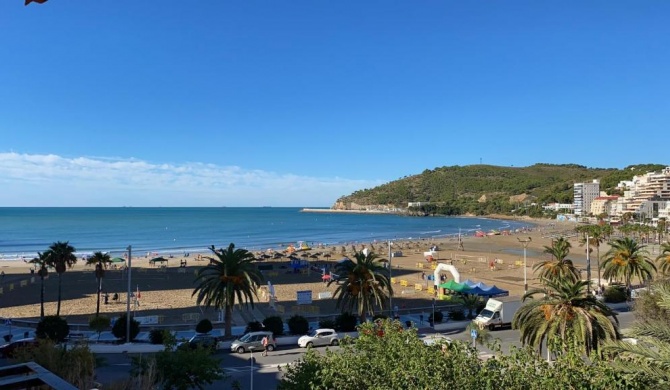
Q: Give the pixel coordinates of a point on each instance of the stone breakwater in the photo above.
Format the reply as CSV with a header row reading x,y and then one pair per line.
x,y
340,211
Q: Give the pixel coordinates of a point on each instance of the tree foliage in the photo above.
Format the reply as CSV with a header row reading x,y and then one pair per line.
x,y
298,325
179,368
229,278
346,322
120,326
626,260
61,256
204,326
99,324
565,311
274,324
363,285
559,267
75,365
387,357
53,328
457,190
650,356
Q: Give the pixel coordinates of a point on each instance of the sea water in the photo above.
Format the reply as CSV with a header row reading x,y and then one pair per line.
x,y
26,231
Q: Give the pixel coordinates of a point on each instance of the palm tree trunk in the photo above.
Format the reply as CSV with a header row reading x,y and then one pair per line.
x,y
97,308
228,320
42,299
60,279
598,260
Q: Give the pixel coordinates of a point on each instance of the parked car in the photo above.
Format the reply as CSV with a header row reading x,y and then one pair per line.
x,y
9,350
435,339
319,337
200,340
253,341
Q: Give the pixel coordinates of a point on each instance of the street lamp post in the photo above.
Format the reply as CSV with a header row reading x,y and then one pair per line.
x,y
251,369
433,313
390,276
525,246
588,264
130,262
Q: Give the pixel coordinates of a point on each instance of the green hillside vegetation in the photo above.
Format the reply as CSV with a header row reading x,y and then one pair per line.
x,y
486,189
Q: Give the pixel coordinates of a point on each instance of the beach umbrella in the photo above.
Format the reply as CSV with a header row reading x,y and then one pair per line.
x,y
158,260
314,256
327,256
118,260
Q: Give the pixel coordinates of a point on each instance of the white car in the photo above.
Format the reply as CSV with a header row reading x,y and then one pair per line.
x,y
319,337
435,339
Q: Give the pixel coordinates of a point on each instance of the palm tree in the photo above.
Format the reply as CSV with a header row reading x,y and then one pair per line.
x,y
229,278
101,261
596,236
662,227
41,261
627,259
61,257
471,302
558,267
566,312
664,258
363,283
650,356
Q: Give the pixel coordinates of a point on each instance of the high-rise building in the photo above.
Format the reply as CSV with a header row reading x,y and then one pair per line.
x,y
652,186
584,194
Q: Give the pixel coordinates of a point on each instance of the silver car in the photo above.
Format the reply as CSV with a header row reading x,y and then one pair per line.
x,y
253,341
319,337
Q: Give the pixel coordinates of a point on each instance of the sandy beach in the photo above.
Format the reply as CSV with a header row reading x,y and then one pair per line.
x,y
167,291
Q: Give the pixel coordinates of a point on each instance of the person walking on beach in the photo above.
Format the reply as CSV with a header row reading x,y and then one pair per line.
x,y
265,343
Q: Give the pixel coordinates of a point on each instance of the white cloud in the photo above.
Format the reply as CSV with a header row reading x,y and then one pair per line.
x,y
51,180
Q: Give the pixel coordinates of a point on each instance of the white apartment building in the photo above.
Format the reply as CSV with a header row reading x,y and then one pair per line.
x,y
652,208
665,213
584,194
645,193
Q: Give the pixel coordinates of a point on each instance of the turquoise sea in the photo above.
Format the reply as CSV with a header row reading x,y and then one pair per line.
x,y
25,231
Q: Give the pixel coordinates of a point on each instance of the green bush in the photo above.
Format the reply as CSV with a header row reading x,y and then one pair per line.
x,y
298,325
253,326
438,317
119,328
99,324
379,317
53,328
204,326
346,322
615,294
329,324
455,315
157,336
274,324
76,365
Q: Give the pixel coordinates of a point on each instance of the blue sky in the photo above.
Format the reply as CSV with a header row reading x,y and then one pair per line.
x,y
296,103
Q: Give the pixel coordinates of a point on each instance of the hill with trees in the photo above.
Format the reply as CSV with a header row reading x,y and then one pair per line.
x,y
488,189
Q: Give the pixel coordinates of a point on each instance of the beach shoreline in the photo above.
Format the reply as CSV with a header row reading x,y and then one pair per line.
x,y
167,291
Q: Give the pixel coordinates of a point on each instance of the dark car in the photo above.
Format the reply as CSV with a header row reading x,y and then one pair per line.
x,y
202,341
9,350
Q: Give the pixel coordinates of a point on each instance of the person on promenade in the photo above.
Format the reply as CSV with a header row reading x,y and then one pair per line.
x,y
265,345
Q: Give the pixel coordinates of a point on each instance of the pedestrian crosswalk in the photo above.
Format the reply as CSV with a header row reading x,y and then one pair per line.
x,y
242,368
